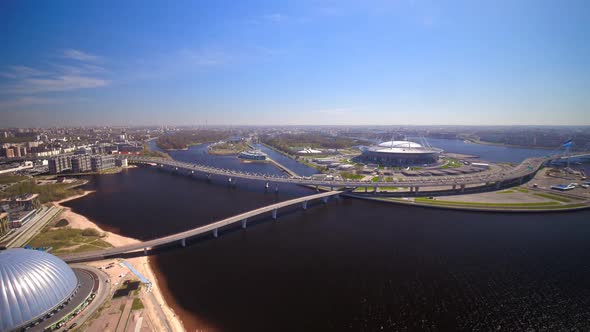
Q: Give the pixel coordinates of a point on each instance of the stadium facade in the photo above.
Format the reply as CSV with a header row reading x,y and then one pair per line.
x,y
400,153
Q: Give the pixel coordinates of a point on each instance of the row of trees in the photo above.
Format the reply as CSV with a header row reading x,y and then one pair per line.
x,y
182,139
285,142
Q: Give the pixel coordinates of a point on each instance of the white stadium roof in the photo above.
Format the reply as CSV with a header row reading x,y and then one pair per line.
x,y
31,284
400,144
403,147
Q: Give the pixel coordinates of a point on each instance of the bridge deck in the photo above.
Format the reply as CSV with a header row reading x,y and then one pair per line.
x,y
100,254
524,169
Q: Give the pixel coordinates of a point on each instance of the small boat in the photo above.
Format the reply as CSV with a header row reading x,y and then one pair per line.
x,y
252,155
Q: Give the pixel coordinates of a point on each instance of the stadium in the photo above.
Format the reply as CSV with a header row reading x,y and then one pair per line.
x,y
400,153
39,291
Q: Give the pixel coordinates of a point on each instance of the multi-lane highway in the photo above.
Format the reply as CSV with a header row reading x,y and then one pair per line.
x,y
527,168
29,230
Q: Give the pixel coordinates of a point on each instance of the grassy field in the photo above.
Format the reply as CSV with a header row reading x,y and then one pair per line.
x,y
68,240
483,204
350,176
452,163
228,148
5,179
554,197
509,191
516,206
137,304
151,153
47,192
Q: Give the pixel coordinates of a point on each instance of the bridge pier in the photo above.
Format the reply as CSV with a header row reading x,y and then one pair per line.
x,y
215,233
498,184
209,177
454,186
366,189
416,189
276,188
145,251
229,180
304,204
462,188
317,188
274,214
266,186
325,200
183,243
244,223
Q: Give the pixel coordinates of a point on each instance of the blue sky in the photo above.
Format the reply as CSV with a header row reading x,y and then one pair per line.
x,y
398,62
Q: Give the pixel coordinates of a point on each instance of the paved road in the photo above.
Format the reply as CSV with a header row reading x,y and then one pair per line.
x,y
102,295
177,238
527,167
33,227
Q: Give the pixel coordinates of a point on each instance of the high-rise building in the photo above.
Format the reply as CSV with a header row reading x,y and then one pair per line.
x,y
121,162
9,152
99,163
59,164
4,225
81,163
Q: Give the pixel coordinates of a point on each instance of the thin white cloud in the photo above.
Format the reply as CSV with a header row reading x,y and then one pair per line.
x,y
333,111
80,55
275,17
267,18
206,58
80,69
30,101
15,72
57,84
22,82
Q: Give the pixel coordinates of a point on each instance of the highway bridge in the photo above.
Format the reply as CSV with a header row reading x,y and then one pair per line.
x,y
213,228
518,174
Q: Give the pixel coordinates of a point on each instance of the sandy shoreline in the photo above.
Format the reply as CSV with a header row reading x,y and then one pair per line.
x,y
141,263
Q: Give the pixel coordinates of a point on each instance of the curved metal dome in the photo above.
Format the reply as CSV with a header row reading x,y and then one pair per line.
x,y
31,284
400,144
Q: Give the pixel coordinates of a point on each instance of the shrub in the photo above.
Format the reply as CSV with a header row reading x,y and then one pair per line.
x,y
90,232
62,223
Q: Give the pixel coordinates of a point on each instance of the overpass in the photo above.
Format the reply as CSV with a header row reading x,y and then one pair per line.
x,y
518,174
213,228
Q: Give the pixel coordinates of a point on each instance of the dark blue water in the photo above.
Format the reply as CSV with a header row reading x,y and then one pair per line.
x,y
351,265
493,153
198,154
291,164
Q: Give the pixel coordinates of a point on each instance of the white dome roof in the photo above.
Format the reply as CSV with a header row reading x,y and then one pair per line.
x,y
31,284
400,144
